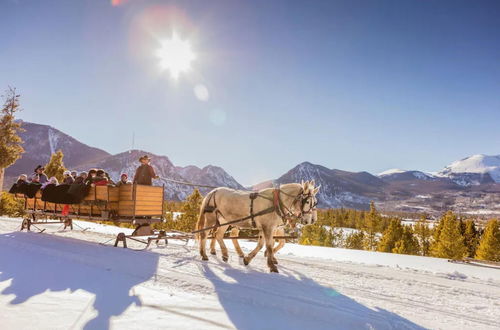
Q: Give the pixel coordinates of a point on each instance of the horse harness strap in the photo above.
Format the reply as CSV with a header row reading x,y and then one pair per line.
x,y
253,196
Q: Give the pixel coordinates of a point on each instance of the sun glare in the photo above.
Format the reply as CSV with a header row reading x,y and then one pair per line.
x,y
175,55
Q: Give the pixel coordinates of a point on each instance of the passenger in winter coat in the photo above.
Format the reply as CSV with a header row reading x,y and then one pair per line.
x,y
145,173
90,176
53,181
39,176
123,180
68,179
100,179
74,174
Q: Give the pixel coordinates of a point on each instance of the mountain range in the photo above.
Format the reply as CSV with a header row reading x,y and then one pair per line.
x,y
475,179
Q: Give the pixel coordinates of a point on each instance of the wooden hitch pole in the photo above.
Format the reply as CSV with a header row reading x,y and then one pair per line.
x,y
121,238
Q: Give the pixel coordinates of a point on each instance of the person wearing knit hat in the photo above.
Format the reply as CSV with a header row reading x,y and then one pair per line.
x,y
123,180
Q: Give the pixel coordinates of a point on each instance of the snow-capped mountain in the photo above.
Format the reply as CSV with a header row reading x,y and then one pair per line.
x,y
402,175
473,170
40,141
338,188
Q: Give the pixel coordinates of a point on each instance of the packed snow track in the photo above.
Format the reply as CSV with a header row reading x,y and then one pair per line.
x,y
65,280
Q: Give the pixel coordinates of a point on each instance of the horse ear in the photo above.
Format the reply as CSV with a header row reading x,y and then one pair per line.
x,y
315,191
312,183
302,183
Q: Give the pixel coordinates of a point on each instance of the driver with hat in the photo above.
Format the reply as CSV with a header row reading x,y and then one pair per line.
x,y
145,173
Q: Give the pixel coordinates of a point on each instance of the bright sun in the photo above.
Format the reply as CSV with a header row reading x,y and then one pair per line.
x,y
175,55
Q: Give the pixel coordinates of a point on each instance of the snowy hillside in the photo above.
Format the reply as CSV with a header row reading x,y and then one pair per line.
x,y
474,170
40,141
65,280
338,188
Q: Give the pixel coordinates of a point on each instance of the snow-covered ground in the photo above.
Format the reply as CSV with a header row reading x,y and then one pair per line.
x,y
64,280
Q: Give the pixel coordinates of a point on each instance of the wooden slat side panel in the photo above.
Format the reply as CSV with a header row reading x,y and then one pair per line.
x,y
148,189
114,194
101,193
126,192
91,194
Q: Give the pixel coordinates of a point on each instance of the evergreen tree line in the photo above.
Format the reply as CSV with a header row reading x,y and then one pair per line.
x,y
451,237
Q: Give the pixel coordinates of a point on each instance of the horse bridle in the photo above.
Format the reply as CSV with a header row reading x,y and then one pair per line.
x,y
304,200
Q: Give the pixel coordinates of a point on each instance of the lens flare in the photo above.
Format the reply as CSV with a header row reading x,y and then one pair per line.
x,y
175,56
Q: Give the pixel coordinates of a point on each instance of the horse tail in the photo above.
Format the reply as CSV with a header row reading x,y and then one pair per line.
x,y
201,218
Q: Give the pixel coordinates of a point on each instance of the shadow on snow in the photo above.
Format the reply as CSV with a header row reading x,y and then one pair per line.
x,y
69,266
292,300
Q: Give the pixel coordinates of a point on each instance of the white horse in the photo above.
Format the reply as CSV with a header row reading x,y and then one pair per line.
x,y
264,210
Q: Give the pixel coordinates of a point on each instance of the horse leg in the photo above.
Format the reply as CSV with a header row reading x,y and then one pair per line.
x,y
203,241
212,242
220,238
251,255
235,232
268,234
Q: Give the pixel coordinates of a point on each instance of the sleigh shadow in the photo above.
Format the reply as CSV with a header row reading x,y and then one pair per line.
x,y
69,270
298,302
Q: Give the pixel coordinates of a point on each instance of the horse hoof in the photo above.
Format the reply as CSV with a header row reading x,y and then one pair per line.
x,y
274,270
204,258
213,253
225,259
246,261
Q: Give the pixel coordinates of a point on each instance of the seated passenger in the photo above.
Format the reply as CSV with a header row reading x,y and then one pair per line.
x,y
90,176
81,178
18,186
100,178
68,179
39,176
23,179
74,174
110,182
52,181
123,180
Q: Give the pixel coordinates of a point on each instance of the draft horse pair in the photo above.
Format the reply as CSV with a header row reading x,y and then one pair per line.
x,y
266,210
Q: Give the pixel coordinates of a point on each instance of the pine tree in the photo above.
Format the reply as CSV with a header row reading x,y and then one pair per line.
x,y
391,235
55,167
408,244
10,141
355,240
450,243
471,238
489,247
186,222
371,227
423,234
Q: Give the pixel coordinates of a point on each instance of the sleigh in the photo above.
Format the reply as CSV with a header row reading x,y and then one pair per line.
x,y
138,205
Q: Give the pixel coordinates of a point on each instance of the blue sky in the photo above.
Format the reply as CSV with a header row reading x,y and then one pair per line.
x,y
353,85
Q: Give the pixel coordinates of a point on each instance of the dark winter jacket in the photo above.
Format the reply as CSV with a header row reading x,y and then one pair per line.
x,y
144,175
42,178
68,180
78,191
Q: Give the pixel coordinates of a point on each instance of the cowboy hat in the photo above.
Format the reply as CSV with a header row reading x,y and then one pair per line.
x,y
144,157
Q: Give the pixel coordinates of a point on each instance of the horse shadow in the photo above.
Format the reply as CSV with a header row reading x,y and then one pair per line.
x,y
38,263
292,300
